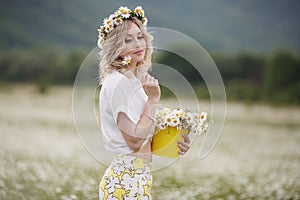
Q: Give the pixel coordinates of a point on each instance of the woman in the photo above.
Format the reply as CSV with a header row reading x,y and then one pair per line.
x,y
127,104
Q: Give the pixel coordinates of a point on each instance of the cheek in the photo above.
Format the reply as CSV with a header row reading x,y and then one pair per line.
x,y
144,43
127,48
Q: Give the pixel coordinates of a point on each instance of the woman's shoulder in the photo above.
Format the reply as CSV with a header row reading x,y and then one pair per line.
x,y
114,79
114,76
117,76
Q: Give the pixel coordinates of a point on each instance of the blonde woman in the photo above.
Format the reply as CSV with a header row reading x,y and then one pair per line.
x,y
127,104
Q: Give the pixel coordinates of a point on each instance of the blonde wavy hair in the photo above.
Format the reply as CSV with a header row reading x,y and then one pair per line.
x,y
112,48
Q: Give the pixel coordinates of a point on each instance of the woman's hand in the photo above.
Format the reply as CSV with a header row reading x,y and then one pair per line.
x,y
151,87
184,145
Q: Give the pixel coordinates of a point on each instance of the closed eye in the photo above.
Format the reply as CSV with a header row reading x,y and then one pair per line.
x,y
128,40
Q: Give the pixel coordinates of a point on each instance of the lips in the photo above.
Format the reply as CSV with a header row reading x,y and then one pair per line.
x,y
139,52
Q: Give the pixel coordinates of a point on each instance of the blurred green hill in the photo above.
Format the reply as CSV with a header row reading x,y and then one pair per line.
x,y
226,26
255,44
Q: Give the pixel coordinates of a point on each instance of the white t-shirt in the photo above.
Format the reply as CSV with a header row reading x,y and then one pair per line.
x,y
120,94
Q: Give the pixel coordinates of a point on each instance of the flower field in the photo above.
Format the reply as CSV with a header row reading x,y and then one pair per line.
x,y
41,156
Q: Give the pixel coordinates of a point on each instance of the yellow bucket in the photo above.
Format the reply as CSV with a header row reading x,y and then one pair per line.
x,y
164,142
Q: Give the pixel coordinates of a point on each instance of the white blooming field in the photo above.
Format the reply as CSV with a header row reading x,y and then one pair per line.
x,y
41,157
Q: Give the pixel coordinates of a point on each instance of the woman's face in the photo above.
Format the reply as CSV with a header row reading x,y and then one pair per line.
x,y
135,45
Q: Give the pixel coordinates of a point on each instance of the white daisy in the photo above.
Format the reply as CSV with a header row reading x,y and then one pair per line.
x,y
100,41
175,122
166,111
178,112
126,60
139,11
167,118
203,117
101,29
107,22
112,16
205,128
199,129
189,117
109,28
126,16
162,126
124,11
145,21
118,20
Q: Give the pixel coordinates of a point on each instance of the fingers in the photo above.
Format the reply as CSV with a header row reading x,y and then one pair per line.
x,y
184,146
148,79
186,138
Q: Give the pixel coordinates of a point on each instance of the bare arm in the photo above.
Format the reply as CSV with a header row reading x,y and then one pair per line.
x,y
135,134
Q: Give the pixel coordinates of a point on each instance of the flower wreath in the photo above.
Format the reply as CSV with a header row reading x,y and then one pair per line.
x,y
123,13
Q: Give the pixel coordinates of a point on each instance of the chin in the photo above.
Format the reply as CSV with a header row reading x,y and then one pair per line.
x,y
139,59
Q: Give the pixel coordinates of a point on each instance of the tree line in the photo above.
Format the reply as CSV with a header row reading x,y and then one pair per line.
x,y
273,78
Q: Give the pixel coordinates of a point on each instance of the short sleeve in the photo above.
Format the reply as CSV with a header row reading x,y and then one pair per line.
x,y
127,97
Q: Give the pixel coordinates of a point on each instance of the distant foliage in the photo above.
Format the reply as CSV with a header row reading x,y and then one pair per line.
x,y
248,77
39,65
282,78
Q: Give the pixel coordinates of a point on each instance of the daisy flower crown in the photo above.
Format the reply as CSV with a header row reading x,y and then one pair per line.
x,y
123,13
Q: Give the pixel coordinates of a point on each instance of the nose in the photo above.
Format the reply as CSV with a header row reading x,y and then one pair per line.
x,y
137,43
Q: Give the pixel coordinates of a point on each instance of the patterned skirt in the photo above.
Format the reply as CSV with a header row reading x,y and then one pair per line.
x,y
127,177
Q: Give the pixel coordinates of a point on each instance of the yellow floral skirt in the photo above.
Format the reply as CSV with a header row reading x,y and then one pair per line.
x,y
127,177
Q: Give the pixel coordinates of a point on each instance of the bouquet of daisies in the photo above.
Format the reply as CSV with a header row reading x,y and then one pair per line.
x,y
182,119
170,125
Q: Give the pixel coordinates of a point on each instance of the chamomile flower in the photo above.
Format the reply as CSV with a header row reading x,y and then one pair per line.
x,y
118,20
101,35
177,112
175,122
109,28
145,21
107,22
203,117
112,16
206,126
189,117
126,60
166,111
139,11
124,11
168,120
121,10
100,41
101,29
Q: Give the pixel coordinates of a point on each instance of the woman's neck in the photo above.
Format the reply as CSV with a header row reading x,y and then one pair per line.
x,y
133,69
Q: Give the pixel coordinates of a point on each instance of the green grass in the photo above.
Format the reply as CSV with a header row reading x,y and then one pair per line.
x,y
41,156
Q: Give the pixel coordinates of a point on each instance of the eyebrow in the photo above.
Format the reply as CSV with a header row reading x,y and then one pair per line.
x,y
128,34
